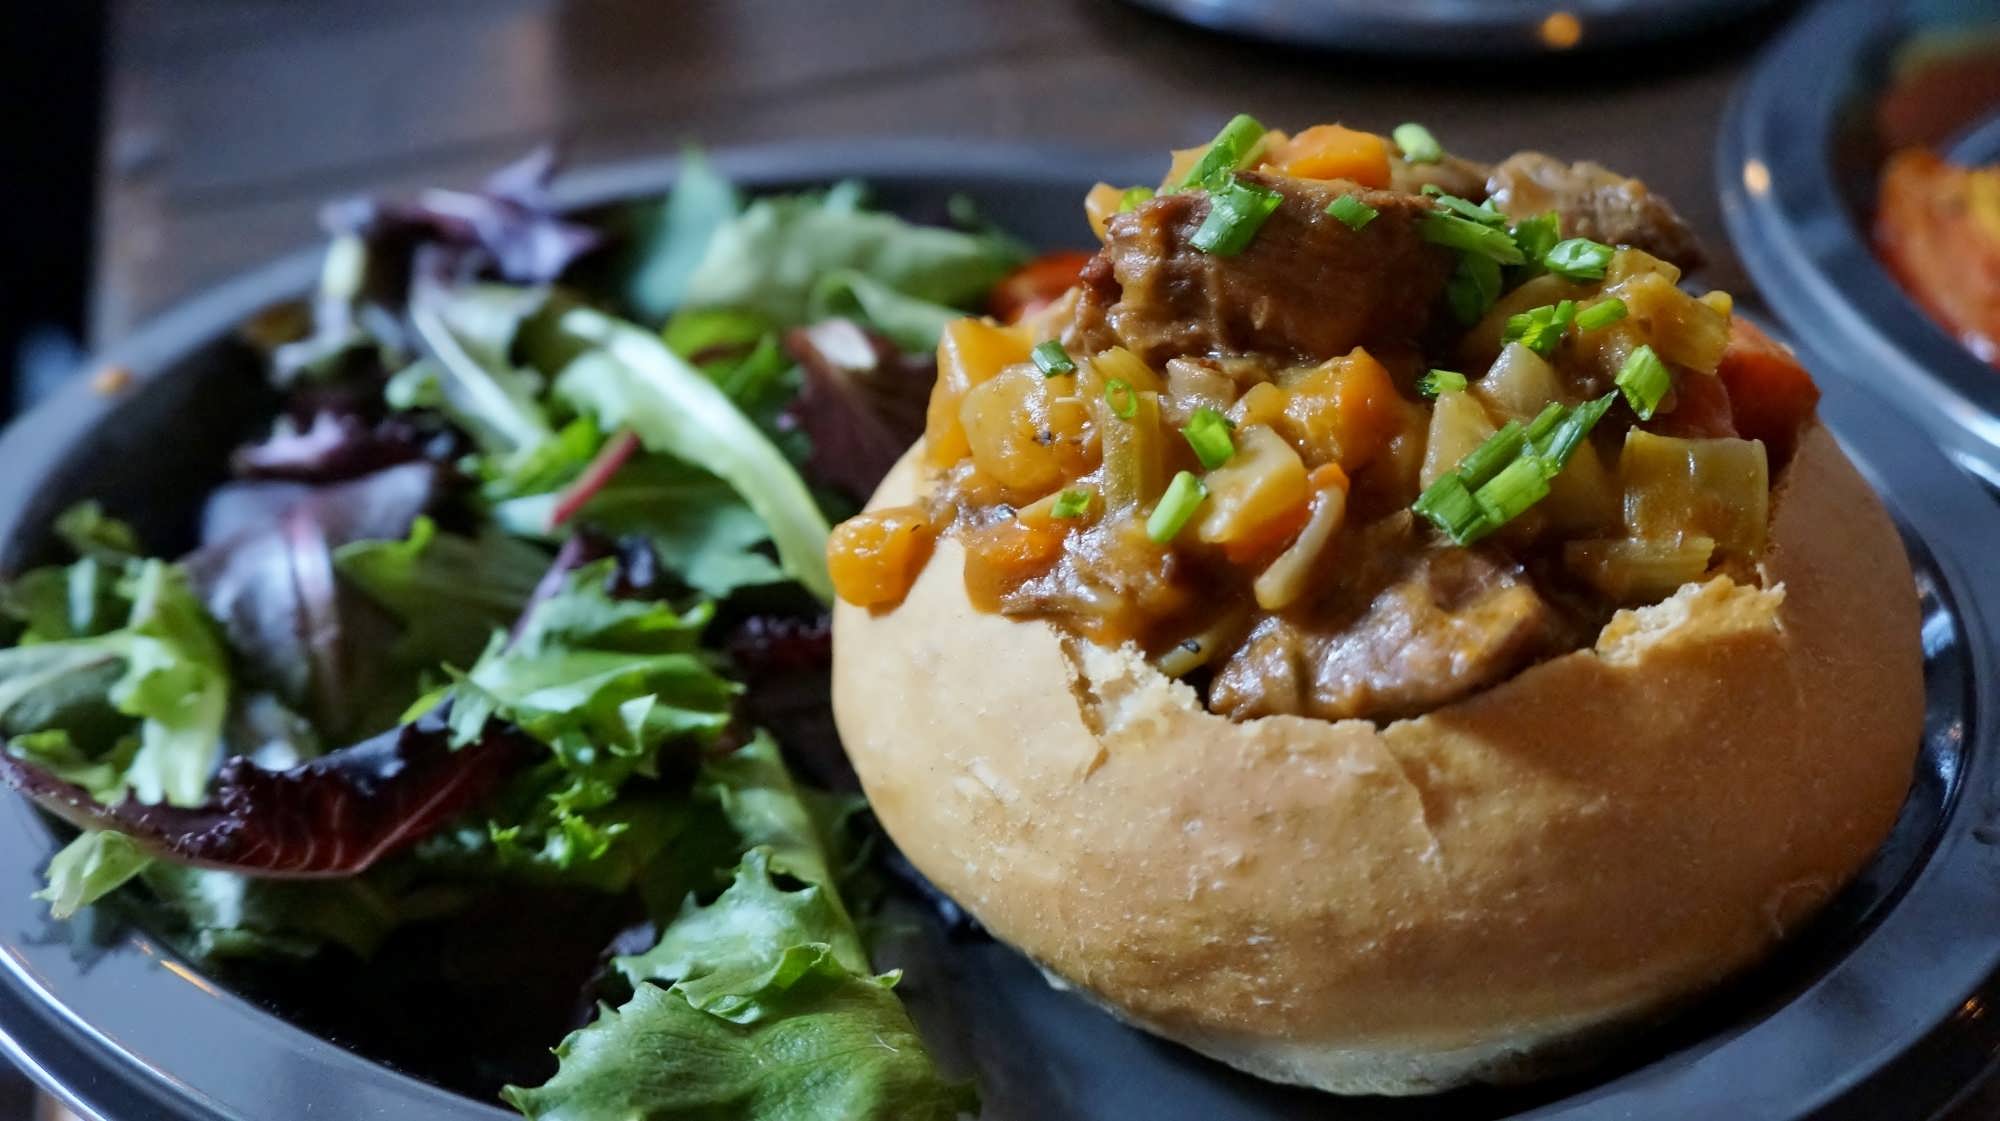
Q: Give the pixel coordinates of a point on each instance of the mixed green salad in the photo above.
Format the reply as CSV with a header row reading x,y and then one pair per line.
x,y
522,597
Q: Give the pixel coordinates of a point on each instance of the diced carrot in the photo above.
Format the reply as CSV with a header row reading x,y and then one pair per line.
x,y
1335,152
1345,411
875,557
1036,284
1002,557
1269,537
1770,394
1329,476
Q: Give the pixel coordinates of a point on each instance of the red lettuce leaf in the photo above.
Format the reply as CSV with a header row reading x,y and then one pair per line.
x,y
331,816
863,402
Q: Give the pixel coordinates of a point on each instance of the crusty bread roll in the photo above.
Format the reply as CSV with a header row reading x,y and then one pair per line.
x,y
1445,899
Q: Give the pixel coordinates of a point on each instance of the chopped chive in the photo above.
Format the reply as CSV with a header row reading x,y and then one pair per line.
x,y
1578,258
1207,432
1473,287
1544,423
1480,212
1417,143
1536,236
1450,505
1051,359
1123,399
1508,495
1352,211
1540,329
1071,504
1440,381
1486,460
1176,507
1230,150
1468,236
1644,381
1562,441
1600,314
1133,196
1236,211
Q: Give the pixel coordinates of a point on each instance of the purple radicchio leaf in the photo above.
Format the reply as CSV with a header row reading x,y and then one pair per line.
x,y
863,402
333,445
265,573
785,663
331,816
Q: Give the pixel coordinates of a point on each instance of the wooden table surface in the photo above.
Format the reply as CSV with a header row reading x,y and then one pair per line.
x,y
230,121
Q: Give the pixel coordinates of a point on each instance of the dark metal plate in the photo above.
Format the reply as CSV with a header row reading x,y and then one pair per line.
x,y
1878,1011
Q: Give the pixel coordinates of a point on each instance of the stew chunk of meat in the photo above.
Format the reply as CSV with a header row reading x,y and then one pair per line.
x,y
1307,288
1595,202
1446,623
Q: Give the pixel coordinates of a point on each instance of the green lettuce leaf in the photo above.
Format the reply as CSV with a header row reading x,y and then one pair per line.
x,y
670,238
773,255
220,915
626,377
469,334
608,684
910,322
752,940
451,593
701,528
89,868
177,682
831,1046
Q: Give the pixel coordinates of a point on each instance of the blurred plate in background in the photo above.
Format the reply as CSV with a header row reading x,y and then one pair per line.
x,y
1799,161
1483,28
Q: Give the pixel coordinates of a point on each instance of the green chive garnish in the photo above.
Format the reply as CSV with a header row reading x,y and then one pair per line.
x,y
1124,401
1207,432
1468,236
1417,143
1544,423
1449,505
1486,460
1352,211
1176,507
1440,381
1536,236
1133,196
1562,440
1051,359
1473,287
1578,258
1071,504
1236,211
1644,381
1540,329
1507,495
1480,212
1600,314
1230,150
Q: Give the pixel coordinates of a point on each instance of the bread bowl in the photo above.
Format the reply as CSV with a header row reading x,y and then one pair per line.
x,y
1403,887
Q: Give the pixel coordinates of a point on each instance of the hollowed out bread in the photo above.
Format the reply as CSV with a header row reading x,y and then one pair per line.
x,y
1404,908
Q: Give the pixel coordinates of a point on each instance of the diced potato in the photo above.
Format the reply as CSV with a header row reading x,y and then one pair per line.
x,y
1635,571
1099,205
1481,344
1191,385
1583,498
1127,367
1264,484
1519,384
1678,489
1458,425
1262,403
1008,429
1627,263
971,352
